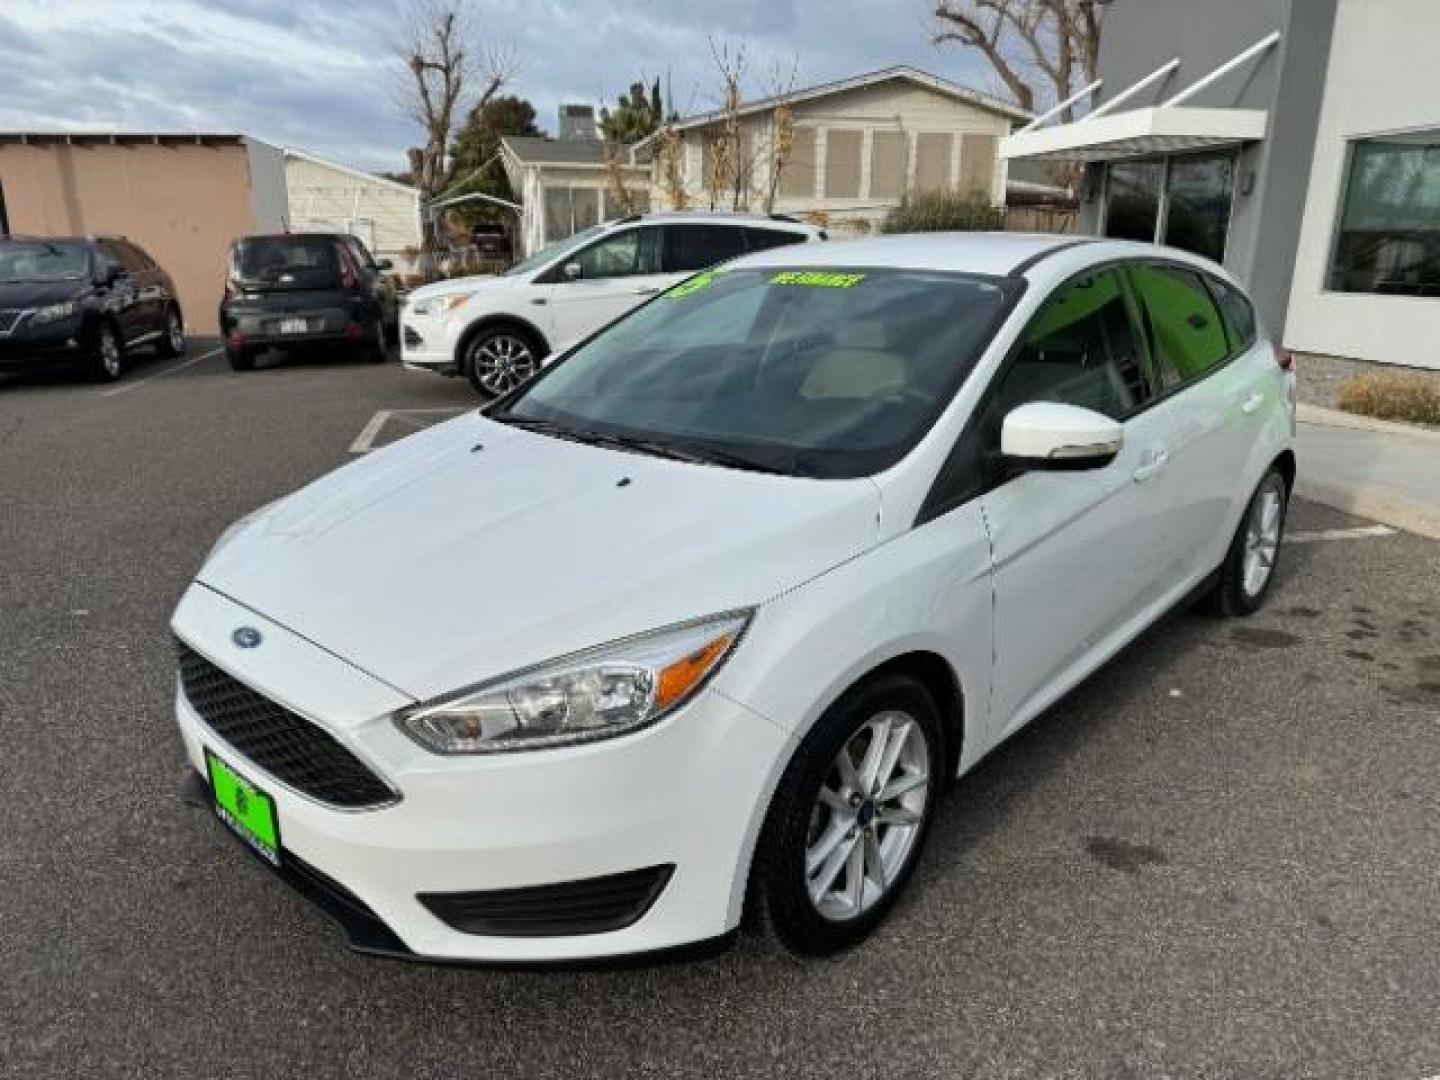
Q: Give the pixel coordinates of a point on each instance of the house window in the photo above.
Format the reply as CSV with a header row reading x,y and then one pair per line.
x,y
932,160
977,164
842,163
797,175
887,164
568,210
1388,240
1180,201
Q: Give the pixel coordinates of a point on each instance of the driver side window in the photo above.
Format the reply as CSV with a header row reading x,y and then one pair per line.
x,y
621,254
1080,349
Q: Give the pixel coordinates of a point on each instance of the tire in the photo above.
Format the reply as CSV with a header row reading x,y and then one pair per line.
x,y
1249,567
500,358
107,354
816,915
240,359
377,348
172,338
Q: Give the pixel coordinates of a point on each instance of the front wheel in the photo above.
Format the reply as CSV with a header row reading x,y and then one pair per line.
x,y
1249,567
849,817
500,359
107,361
172,340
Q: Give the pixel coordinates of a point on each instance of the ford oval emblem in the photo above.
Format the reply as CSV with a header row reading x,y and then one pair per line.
x,y
247,637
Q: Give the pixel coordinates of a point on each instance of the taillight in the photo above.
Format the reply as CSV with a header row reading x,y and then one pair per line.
x,y
347,271
1284,357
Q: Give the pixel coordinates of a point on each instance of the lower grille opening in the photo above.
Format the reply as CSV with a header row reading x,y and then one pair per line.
x,y
591,906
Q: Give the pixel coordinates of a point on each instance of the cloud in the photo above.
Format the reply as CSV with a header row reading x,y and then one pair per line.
x,y
316,75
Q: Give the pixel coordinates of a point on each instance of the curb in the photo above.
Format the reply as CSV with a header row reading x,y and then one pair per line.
x,y
1402,513
1314,414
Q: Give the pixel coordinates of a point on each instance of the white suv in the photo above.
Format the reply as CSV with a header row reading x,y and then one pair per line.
x,y
498,330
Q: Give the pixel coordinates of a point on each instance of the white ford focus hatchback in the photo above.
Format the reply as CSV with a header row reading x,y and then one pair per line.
x,y
782,553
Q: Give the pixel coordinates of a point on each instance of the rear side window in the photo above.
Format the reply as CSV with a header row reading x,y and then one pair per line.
x,y
1081,349
297,261
694,247
1186,332
765,239
1239,315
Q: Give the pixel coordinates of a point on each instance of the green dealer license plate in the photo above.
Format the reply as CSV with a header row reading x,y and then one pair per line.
x,y
247,810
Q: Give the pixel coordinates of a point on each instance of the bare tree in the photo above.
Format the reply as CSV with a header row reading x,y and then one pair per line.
x,y
1042,50
448,74
669,155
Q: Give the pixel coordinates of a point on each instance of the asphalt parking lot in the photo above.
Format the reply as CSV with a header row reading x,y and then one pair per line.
x,y
1217,858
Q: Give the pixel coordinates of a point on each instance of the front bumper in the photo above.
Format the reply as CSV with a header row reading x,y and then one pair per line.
x,y
33,345
688,792
425,345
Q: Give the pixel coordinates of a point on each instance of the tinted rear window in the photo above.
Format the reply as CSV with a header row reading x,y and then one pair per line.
x,y
295,261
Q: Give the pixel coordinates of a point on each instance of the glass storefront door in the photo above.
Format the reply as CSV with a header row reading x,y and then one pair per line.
x,y
1180,201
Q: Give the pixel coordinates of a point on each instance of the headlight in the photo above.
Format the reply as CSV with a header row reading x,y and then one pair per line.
x,y
54,313
440,305
590,695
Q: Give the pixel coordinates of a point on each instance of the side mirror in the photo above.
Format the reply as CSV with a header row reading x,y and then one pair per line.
x,y
385,264
113,273
1048,435
573,271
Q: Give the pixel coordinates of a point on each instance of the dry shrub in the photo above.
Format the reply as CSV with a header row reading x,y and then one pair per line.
x,y
1392,396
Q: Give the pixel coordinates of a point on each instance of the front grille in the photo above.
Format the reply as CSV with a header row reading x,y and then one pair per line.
x,y
9,319
287,746
591,906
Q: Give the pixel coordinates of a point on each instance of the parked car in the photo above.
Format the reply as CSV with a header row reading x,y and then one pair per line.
x,y
305,290
757,571
491,242
499,330
91,299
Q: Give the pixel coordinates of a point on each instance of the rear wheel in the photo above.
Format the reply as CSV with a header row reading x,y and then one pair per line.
x,y
107,360
377,348
172,341
1249,566
849,817
500,359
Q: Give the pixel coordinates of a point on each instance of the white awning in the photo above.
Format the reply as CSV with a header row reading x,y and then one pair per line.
x,y
1163,129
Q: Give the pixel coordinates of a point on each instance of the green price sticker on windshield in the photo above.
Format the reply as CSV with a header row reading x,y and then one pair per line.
x,y
823,279
694,285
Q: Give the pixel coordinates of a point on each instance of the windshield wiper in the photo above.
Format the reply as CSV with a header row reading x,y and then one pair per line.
x,y
654,447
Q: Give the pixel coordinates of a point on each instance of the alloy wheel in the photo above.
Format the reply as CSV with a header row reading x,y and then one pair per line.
x,y
176,333
1262,538
502,362
867,817
109,352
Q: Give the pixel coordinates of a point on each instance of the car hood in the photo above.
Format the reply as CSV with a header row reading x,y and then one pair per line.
x,y
474,549
33,294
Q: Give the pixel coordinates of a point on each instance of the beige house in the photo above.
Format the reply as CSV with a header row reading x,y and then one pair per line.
x,y
857,147
566,185
325,196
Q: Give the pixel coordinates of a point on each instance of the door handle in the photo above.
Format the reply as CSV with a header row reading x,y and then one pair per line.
x,y
1154,463
1253,402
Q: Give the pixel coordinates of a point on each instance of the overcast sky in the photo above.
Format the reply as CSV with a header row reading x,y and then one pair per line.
x,y
320,74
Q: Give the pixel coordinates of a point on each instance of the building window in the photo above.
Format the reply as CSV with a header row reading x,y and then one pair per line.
x,y
932,160
1389,235
1180,201
842,163
887,164
1132,199
568,210
977,165
639,199
797,175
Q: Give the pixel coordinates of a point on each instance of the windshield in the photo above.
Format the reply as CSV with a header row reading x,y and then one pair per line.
x,y
826,373
305,262
38,261
553,251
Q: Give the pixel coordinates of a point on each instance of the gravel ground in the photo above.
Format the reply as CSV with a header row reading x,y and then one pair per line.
x,y
1318,376
1216,858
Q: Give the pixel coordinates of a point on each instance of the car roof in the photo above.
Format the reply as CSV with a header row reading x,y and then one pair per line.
x,y
721,217
1035,256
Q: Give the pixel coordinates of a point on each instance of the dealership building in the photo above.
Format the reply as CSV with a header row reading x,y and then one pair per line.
x,y
185,196
1296,141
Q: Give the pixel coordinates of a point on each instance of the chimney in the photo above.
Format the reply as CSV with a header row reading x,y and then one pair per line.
x,y
578,122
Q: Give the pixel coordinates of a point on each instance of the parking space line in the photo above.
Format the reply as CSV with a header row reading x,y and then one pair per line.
x,y
1362,532
137,383
362,442
365,441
